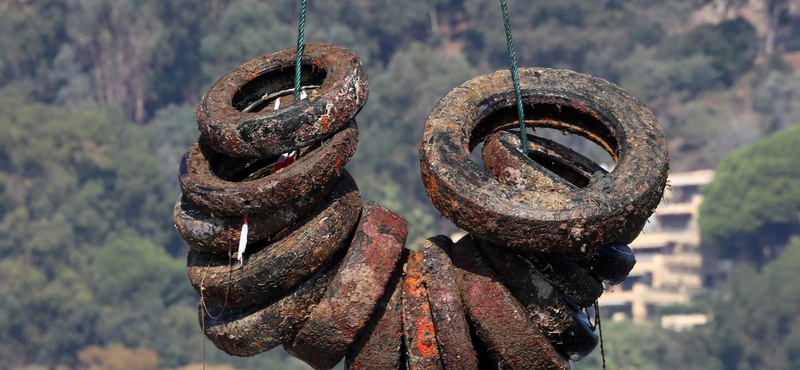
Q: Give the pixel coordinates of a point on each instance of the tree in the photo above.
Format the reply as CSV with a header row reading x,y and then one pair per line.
x,y
775,14
71,181
730,46
755,318
117,357
752,205
247,29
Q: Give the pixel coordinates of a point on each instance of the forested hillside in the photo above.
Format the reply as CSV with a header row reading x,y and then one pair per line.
x,y
97,101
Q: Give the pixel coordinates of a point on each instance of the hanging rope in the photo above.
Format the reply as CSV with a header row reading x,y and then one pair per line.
x,y
523,134
600,330
301,45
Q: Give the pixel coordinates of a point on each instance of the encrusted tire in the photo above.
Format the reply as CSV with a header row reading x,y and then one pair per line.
x,y
308,180
447,310
343,90
511,337
355,291
564,325
250,331
600,213
270,269
205,233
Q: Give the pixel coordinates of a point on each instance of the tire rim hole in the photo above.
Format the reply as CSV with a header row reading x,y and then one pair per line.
x,y
558,167
235,169
542,113
260,93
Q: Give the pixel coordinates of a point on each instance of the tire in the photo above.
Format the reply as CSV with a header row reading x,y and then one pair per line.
x,y
419,331
355,291
250,331
271,269
513,340
341,95
564,325
380,344
566,170
447,310
610,263
208,234
308,180
598,214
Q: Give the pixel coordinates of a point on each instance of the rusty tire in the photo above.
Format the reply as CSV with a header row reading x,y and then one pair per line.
x,y
355,291
307,180
598,214
248,332
564,325
422,348
341,95
205,233
272,269
564,169
380,344
513,340
447,310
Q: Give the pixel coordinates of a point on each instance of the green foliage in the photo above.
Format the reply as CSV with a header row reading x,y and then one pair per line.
x,y
173,130
754,198
731,46
247,29
634,346
777,96
143,299
25,49
755,321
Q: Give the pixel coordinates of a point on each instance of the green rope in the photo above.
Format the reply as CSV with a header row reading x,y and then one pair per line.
x,y
301,30
523,134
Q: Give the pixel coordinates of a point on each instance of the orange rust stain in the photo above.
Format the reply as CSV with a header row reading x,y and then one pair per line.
x,y
326,122
414,284
317,64
252,75
338,162
424,340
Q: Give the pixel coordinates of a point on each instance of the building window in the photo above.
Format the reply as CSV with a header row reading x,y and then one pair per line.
x,y
673,223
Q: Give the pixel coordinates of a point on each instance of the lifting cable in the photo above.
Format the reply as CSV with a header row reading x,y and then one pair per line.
x,y
301,45
523,133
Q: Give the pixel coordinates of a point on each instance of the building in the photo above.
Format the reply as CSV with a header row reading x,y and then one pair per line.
x,y
670,263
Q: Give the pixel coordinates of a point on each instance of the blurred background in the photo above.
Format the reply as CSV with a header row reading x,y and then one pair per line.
x,y
97,102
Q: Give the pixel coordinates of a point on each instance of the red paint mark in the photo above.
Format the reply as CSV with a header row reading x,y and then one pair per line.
x,y
326,122
425,334
284,161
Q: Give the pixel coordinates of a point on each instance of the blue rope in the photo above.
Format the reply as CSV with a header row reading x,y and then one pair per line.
x,y
301,30
523,134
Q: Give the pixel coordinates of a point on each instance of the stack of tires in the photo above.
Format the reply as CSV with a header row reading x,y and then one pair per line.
x,y
318,260
546,229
